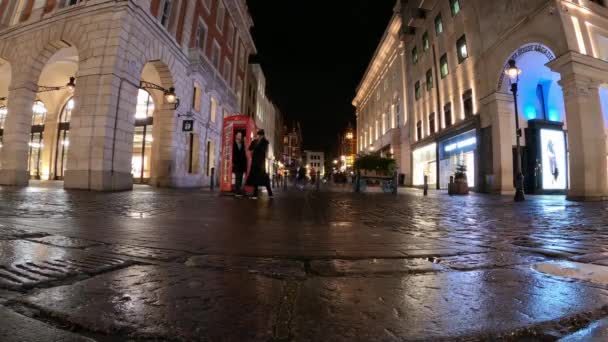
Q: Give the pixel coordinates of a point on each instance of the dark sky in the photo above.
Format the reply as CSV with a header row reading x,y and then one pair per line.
x,y
314,54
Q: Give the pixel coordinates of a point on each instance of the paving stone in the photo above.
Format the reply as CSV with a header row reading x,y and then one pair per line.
x,y
594,332
139,252
280,268
6,295
26,264
372,266
590,257
169,302
67,242
18,328
445,305
489,260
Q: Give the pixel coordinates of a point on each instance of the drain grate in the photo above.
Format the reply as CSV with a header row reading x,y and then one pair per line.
x,y
24,264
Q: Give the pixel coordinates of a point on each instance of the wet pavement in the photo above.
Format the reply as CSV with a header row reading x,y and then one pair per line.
x,y
190,265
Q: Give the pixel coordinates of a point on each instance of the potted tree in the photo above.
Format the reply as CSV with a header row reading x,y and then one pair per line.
x,y
461,185
374,165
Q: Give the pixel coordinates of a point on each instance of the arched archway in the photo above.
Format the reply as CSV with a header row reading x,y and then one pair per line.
x,y
63,139
540,95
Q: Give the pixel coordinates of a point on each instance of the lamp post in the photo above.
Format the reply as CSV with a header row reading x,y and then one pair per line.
x,y
513,72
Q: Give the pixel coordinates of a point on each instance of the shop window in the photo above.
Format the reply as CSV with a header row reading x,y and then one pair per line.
x,y
193,155
467,101
3,113
429,79
462,49
63,139
417,90
447,114
455,7
210,157
142,137
425,41
432,123
438,24
415,55
201,36
443,63
213,110
39,113
197,97
419,130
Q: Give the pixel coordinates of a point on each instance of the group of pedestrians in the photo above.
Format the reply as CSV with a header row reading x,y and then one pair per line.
x,y
257,176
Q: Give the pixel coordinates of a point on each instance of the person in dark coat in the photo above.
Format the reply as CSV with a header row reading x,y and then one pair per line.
x,y
239,162
257,174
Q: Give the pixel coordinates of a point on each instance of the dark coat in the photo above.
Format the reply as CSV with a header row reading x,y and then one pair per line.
x,y
257,173
239,158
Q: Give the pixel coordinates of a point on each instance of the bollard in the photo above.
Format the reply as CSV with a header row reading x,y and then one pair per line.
x,y
451,186
358,181
425,187
212,183
285,182
395,183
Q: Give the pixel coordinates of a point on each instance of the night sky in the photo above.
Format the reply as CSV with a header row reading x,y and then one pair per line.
x,y
314,54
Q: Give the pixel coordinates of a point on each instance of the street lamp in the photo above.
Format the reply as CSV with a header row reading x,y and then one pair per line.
x,y
513,72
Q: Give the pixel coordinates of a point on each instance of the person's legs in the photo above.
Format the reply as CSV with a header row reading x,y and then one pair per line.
x,y
269,188
238,183
255,191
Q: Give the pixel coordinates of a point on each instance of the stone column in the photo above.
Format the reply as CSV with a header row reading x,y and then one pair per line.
x,y
17,129
581,77
101,134
499,107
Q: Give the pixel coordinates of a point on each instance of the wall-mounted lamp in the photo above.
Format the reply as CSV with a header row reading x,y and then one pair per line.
x,y
70,87
169,94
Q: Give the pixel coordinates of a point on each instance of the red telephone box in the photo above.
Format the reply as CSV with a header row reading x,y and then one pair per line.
x,y
233,124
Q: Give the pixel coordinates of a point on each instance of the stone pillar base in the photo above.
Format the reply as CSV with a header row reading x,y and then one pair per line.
x,y
14,177
587,198
98,180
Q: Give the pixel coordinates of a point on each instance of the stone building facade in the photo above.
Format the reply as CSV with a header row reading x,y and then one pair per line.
x,y
461,110
129,60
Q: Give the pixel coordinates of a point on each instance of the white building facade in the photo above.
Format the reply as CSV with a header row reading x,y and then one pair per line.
x,y
131,61
266,116
315,162
461,109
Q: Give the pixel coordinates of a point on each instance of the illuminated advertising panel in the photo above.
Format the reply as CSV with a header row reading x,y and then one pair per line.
x,y
553,152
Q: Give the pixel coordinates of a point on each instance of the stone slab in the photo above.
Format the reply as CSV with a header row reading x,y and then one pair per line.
x,y
66,242
26,264
279,268
139,252
489,260
338,267
445,305
594,332
169,302
18,328
6,295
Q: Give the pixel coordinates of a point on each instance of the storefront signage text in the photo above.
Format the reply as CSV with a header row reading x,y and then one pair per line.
x,y
535,47
461,144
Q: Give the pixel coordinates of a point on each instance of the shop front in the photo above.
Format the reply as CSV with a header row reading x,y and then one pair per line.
x,y
454,151
546,169
425,164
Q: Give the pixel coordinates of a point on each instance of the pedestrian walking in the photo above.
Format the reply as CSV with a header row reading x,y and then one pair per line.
x,y
257,174
239,163
301,178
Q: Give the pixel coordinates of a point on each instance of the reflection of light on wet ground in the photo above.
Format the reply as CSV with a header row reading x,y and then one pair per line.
x,y
138,214
343,224
553,208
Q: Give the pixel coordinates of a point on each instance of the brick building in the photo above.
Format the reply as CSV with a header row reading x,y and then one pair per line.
x,y
131,62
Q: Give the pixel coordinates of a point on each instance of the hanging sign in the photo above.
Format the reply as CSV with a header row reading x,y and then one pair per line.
x,y
188,126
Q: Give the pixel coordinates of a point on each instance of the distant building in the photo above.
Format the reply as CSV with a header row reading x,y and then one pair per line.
x,y
292,146
348,148
315,162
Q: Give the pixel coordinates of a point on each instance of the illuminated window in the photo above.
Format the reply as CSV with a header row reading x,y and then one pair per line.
x,y
462,50
415,55
419,130
438,24
39,113
145,105
425,41
429,79
196,101
432,123
443,65
455,7
66,113
3,113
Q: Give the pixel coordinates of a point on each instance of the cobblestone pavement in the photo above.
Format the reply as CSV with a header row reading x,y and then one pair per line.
x,y
188,265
